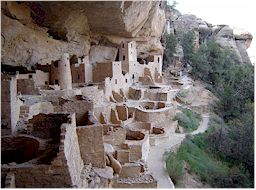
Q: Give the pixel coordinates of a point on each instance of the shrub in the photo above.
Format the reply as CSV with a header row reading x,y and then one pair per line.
x,y
183,120
201,163
206,156
175,168
188,119
183,93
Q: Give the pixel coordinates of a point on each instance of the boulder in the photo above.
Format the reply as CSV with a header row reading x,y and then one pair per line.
x,y
115,164
223,35
186,22
241,47
243,36
107,161
108,149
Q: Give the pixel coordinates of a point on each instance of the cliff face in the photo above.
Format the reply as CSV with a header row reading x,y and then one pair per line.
x,y
40,32
225,36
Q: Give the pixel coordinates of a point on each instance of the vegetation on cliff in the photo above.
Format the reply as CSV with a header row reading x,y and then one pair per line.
x,y
171,42
188,119
224,155
203,159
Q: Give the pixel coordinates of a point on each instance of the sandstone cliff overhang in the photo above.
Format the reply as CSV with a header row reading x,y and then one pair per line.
x,y
40,32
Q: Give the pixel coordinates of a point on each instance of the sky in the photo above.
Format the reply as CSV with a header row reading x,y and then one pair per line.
x,y
235,13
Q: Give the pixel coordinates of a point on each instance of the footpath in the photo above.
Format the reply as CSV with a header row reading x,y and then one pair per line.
x,y
156,161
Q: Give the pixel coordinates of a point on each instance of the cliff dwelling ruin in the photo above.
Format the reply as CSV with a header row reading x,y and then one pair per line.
x,y
87,110
63,119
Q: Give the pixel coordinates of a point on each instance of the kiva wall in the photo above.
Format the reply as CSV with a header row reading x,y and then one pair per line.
x,y
154,116
64,170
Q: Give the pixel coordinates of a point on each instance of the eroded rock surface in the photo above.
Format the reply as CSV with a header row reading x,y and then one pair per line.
x,y
40,32
226,37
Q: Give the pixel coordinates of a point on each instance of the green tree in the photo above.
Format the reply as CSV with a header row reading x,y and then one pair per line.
x,y
170,49
234,90
171,43
233,85
187,42
200,64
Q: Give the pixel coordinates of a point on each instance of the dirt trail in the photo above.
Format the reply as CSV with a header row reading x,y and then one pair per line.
x,y
156,161
203,125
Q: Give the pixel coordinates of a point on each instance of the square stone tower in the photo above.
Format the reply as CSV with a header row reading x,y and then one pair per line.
x,y
127,53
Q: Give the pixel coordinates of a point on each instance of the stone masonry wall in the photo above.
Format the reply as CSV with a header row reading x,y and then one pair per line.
x,y
10,105
156,96
26,86
37,108
95,94
80,107
6,103
101,71
134,94
77,72
147,126
65,169
114,135
40,78
139,149
116,84
72,152
59,93
154,116
143,181
122,112
90,140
